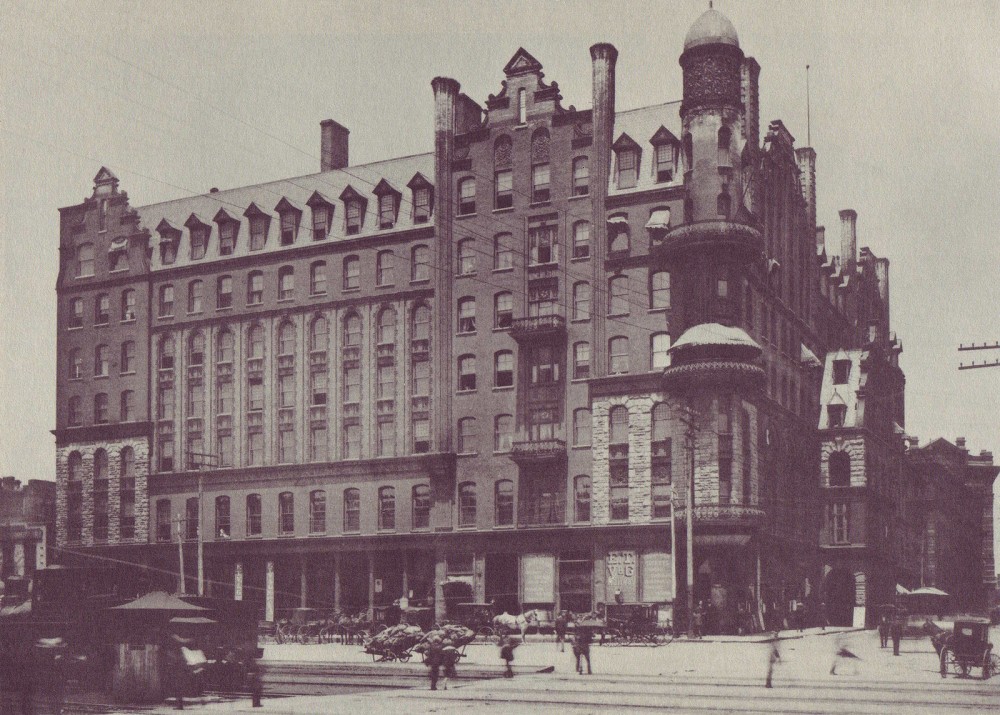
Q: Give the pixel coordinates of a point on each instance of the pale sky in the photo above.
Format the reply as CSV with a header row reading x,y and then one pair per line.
x,y
179,97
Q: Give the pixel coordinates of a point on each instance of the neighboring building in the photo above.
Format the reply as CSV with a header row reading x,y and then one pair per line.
x,y
953,493
491,365
27,521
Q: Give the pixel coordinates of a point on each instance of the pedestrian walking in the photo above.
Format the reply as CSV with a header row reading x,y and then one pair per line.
x,y
449,658
582,639
843,654
698,620
896,633
883,631
432,659
507,655
824,620
774,655
562,622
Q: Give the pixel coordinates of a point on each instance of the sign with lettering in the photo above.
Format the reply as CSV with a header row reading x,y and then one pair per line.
x,y
622,572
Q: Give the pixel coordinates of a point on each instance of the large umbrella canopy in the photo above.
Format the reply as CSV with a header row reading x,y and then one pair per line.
x,y
927,591
193,621
158,601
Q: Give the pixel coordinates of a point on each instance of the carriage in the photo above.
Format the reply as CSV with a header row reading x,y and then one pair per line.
x,y
967,647
634,624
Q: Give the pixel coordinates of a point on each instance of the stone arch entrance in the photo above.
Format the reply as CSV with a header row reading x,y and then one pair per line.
x,y
839,592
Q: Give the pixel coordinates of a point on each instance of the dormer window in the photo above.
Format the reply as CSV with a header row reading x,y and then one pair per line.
x,y
322,215
421,205
386,211
665,158
354,211
170,235
260,222
229,227
627,162
837,415
200,232
290,214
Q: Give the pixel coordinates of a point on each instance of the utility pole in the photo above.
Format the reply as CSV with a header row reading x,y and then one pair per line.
x,y
673,551
973,346
180,552
199,460
689,418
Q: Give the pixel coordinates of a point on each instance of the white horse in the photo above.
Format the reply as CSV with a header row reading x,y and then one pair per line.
x,y
520,623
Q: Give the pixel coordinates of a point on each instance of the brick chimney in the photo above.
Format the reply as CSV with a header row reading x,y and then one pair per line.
x,y
848,238
749,89
806,159
960,442
333,145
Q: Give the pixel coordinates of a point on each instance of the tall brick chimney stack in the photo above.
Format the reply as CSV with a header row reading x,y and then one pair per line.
x,y
333,145
750,91
603,58
806,159
848,239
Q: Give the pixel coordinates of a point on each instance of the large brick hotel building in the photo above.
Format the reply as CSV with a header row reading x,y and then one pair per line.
x,y
491,364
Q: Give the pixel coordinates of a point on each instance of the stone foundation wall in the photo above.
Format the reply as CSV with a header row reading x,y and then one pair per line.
x,y
87,450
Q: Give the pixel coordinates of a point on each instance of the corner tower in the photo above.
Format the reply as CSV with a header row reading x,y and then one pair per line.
x,y
711,249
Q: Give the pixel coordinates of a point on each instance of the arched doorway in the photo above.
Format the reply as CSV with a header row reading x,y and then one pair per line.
x,y
838,589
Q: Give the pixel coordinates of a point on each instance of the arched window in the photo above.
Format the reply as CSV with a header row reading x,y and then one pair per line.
x,y
317,511
100,408
659,289
387,326
581,498
166,305
581,239
581,427
75,364
352,330
163,530
581,301
659,345
85,260
503,252
319,335
102,360
126,463
840,469
725,137
466,196
100,464
386,508
421,323
196,348
352,510
503,310
74,467
223,527
467,436
196,291
255,342
286,513
466,257
540,168
503,177
503,433
224,292
421,506
317,278
420,264
618,425
254,523
467,315
286,283
102,309
467,373
165,356
618,234
286,339
618,355
503,502
224,344
255,287
385,268
660,426
503,368
618,296
467,504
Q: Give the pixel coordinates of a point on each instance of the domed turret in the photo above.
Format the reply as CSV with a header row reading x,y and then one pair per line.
x,y
712,28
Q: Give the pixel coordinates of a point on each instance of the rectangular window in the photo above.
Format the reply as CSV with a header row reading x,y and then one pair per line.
x,y
840,530
581,361
225,445
421,507
664,163
352,441
353,217
352,385
255,397
544,364
581,176
255,448
318,443
542,425
619,492
504,189
224,403
837,415
421,436
581,240
540,177
421,378
503,311
352,273
199,242
166,301
659,290
317,512
224,298
542,244
841,371
387,438
103,312
286,391
542,297
286,446
254,525
286,513
352,510
321,222
258,233
466,197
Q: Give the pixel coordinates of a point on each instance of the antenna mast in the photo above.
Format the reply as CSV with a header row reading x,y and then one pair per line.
x,y
808,113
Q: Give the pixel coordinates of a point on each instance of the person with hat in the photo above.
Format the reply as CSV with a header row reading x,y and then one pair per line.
x,y
507,647
582,639
434,658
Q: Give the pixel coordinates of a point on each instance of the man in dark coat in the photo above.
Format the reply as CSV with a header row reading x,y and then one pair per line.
x,y
883,631
582,639
896,633
562,622
433,660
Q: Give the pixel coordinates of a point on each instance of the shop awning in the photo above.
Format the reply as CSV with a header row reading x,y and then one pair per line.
x,y
119,243
808,357
617,222
659,220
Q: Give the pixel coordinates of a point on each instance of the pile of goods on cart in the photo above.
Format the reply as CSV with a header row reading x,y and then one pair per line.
x,y
394,643
446,636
